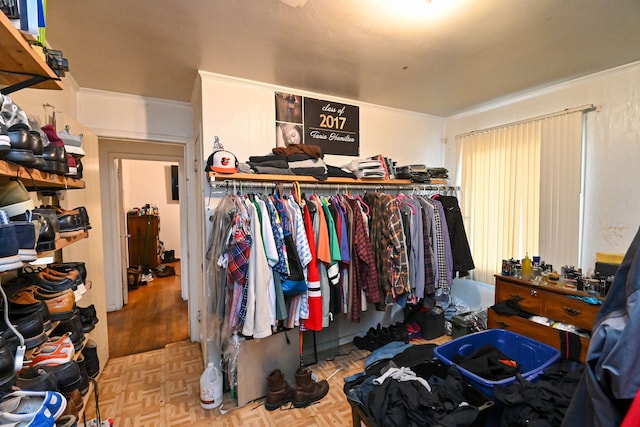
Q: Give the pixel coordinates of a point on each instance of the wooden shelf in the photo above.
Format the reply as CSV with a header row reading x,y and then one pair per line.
x,y
258,177
20,65
36,180
64,242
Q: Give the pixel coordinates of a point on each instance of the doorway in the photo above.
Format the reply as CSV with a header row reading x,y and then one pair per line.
x,y
116,156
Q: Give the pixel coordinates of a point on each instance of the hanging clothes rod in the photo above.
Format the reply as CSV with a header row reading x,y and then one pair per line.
x,y
238,185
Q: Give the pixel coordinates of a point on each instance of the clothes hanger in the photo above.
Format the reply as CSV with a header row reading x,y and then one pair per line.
x,y
364,205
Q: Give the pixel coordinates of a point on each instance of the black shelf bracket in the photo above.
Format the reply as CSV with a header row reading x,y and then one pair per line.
x,y
33,79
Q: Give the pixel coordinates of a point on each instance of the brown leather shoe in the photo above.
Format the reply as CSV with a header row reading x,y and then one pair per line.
x,y
76,398
280,392
308,390
60,304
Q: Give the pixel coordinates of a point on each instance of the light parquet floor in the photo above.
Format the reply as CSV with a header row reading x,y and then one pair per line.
x,y
161,388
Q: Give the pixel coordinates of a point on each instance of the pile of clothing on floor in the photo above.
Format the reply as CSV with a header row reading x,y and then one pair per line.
x,y
402,385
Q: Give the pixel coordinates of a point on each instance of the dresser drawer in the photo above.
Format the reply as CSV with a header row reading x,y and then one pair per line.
x,y
527,297
569,310
536,331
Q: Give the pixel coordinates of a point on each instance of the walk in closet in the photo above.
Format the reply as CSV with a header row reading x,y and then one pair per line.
x,y
346,280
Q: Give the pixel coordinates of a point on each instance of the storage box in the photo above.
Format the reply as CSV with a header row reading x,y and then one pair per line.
x,y
532,356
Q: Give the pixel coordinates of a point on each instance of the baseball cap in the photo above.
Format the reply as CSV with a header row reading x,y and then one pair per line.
x,y
221,160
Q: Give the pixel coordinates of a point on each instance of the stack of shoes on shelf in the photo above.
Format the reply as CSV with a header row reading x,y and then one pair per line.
x,y
37,229
54,153
75,152
29,146
71,222
56,365
379,336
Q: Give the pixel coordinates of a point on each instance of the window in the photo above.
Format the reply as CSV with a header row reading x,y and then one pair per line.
x,y
522,186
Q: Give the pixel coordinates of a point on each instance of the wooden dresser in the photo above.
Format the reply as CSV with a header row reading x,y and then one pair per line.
x,y
143,240
545,300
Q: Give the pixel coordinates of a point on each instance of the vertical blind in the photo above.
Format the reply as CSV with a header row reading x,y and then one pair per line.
x,y
522,186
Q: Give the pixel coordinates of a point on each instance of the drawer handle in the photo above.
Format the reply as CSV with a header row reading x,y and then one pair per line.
x,y
534,293
516,297
502,324
572,311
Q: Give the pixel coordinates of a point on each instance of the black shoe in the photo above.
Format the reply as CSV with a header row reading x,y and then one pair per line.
x,y
36,380
7,369
370,341
91,361
30,326
74,326
67,375
22,310
21,145
84,216
84,377
399,332
88,317
66,267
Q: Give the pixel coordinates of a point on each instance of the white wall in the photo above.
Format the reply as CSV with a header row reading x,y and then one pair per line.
x,y
612,149
242,114
121,115
150,182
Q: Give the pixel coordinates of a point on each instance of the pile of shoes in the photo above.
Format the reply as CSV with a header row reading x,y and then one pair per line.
x,y
60,361
379,336
24,142
307,391
26,230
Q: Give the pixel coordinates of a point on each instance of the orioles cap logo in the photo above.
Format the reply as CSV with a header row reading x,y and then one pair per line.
x,y
225,161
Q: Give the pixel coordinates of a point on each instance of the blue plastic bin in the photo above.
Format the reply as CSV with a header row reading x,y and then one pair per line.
x,y
533,356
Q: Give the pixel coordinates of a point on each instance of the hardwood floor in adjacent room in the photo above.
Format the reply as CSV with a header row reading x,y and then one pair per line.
x,y
155,316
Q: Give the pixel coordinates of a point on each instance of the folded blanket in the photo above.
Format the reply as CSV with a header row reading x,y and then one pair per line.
x,y
337,172
312,150
299,156
245,168
318,173
272,171
310,167
267,158
279,163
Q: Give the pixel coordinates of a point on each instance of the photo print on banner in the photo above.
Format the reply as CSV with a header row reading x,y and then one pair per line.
x,y
333,126
288,119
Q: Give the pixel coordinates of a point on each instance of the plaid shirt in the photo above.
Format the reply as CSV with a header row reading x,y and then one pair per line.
x,y
387,239
365,276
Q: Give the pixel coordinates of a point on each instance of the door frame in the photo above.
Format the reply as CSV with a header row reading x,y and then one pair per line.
x,y
112,151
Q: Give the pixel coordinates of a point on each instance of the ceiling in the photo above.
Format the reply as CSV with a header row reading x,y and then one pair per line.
x,y
438,57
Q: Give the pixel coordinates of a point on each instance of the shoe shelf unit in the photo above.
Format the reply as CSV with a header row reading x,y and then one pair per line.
x,y
36,180
20,64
